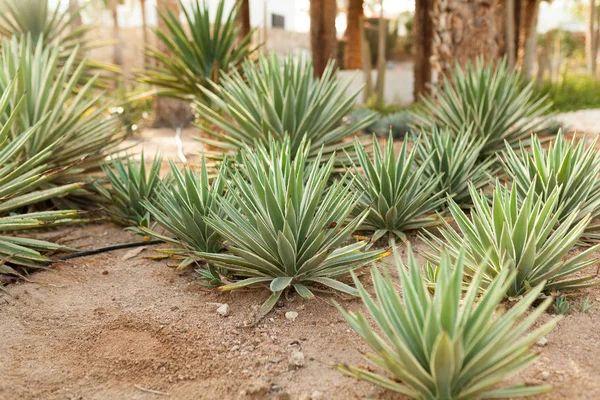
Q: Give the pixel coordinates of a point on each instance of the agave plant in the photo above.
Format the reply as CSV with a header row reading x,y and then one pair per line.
x,y
516,235
70,117
456,160
182,206
21,182
200,54
273,101
130,184
566,165
447,346
491,99
284,224
398,193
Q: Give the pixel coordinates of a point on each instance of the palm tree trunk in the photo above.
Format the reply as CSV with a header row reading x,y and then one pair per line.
x,y
144,30
322,33
463,31
422,42
381,61
527,50
169,111
244,18
117,50
590,39
352,51
509,28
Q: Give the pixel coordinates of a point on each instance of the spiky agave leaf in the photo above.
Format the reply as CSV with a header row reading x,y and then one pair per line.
x,y
399,194
273,101
447,346
284,224
515,235
572,166
182,206
21,182
456,160
200,54
490,98
74,123
130,184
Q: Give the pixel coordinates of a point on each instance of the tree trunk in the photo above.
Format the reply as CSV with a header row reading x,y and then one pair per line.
x,y
590,39
422,41
118,46
144,30
464,30
366,63
73,8
322,33
169,111
352,51
244,18
381,61
509,27
526,56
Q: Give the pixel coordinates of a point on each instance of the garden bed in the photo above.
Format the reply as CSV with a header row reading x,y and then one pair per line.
x,y
116,325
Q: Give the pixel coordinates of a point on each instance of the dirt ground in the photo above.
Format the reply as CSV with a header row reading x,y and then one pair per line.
x,y
116,325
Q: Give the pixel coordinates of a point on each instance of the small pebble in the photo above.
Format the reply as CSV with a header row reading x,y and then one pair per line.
x,y
105,272
291,315
296,360
542,342
316,395
223,310
545,374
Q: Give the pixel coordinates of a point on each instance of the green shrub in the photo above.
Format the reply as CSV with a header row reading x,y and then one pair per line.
x,y
270,101
398,194
284,224
574,92
515,235
490,99
454,159
130,184
572,167
447,346
202,54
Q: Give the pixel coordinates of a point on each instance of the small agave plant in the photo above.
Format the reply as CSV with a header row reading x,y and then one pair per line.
x,y
283,224
130,184
447,345
516,235
182,206
398,193
456,160
570,166
490,98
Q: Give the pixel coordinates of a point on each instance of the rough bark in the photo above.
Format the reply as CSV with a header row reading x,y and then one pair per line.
x,y
169,112
352,51
590,38
322,33
422,43
244,18
464,30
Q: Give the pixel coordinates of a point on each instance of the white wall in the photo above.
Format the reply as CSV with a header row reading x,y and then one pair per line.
x,y
399,82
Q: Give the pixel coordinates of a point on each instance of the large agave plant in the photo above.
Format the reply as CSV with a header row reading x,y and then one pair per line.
x,y
272,101
200,54
516,235
285,224
398,193
447,346
21,182
182,206
491,99
70,117
568,166
454,159
130,184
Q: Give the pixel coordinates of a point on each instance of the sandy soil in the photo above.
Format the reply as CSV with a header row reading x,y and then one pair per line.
x,y
114,325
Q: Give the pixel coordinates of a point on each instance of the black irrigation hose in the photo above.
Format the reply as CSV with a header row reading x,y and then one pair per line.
x,y
109,248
